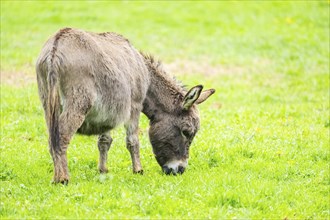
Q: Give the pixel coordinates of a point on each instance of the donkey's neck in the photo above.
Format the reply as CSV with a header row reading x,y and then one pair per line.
x,y
164,94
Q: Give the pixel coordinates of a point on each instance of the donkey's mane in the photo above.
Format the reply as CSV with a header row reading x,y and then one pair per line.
x,y
156,67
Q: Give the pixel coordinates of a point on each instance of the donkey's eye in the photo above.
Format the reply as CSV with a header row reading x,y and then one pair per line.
x,y
186,133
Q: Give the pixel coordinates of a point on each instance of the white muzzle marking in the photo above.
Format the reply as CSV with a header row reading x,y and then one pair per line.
x,y
174,164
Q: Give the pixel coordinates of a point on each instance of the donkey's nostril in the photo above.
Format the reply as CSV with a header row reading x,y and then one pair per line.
x,y
167,170
181,169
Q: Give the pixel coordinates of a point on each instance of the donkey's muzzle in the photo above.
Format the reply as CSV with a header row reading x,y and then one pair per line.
x,y
174,171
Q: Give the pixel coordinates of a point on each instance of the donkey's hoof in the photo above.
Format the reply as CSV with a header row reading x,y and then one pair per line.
x,y
138,172
62,180
103,170
65,182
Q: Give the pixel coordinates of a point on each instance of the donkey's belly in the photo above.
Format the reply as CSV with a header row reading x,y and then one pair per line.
x,y
101,118
93,129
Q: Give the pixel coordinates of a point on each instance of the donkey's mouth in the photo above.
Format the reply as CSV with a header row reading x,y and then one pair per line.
x,y
174,171
175,167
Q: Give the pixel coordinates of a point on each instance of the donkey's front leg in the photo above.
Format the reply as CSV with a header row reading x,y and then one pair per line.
x,y
103,144
133,144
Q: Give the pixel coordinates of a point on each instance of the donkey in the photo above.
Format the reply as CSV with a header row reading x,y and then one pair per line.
x,y
90,83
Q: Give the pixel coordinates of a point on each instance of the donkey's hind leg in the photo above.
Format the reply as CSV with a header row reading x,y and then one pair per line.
x,y
103,143
72,117
69,123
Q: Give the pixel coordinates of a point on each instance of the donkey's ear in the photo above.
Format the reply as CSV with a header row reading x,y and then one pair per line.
x,y
204,95
192,96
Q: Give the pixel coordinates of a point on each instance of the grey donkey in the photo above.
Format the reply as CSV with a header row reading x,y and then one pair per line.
x,y
90,83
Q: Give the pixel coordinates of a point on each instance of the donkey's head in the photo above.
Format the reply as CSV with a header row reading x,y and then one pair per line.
x,y
172,133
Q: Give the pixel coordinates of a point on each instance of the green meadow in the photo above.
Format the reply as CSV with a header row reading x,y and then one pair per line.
x,y
263,148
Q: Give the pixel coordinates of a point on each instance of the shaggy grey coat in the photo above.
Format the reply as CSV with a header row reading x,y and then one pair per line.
x,y
90,83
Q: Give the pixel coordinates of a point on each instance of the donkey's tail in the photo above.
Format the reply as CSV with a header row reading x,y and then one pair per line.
x,y
53,112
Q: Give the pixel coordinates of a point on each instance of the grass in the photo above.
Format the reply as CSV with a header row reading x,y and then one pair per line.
x,y
263,147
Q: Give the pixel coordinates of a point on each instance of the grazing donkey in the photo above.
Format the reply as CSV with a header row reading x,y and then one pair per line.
x,y
90,83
